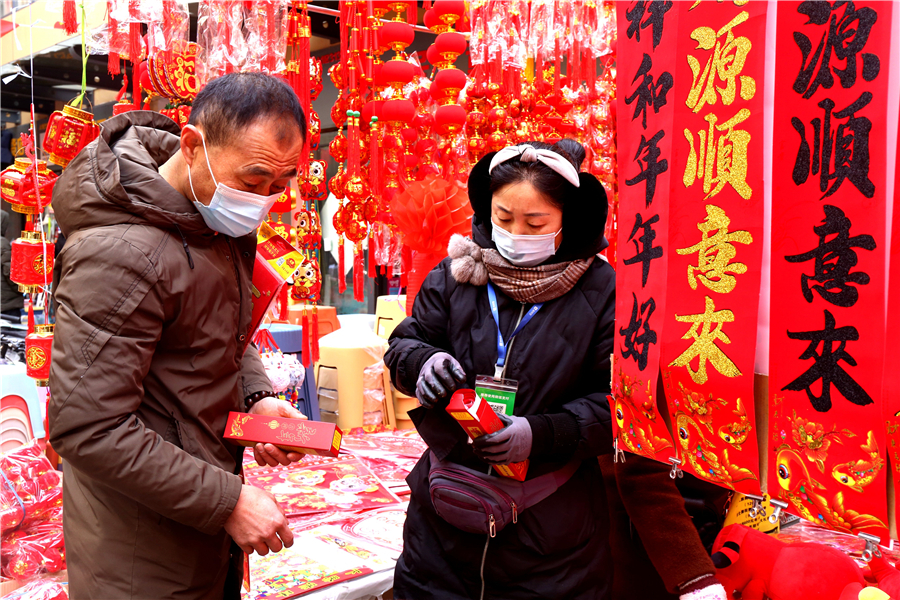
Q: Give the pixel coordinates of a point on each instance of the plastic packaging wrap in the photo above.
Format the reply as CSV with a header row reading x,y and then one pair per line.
x,y
373,394
30,488
40,590
35,551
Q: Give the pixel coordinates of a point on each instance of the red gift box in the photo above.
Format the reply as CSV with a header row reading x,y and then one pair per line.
x,y
276,262
478,418
292,435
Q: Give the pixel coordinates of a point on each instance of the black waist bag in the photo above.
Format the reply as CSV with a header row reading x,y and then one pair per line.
x,y
481,503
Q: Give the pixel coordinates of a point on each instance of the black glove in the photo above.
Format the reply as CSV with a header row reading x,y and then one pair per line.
x,y
439,377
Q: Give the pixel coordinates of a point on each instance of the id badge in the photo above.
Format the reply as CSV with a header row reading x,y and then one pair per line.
x,y
500,394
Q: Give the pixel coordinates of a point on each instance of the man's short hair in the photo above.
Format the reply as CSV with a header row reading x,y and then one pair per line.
x,y
232,102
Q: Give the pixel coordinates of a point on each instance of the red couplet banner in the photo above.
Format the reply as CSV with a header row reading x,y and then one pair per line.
x,y
827,337
645,126
715,240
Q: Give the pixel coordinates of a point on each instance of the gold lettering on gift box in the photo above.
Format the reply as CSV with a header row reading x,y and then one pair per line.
x,y
295,433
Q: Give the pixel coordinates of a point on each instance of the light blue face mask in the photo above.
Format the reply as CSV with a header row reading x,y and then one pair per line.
x,y
233,212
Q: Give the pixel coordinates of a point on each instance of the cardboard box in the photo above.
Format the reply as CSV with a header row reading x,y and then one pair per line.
x,y
292,435
276,262
478,418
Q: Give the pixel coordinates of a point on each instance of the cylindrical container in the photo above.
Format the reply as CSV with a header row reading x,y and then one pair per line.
x,y
31,262
37,354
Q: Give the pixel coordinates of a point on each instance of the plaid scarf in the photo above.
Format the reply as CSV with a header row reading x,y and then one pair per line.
x,y
531,285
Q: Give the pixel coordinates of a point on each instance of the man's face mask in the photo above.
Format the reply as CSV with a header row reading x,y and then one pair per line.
x,y
235,213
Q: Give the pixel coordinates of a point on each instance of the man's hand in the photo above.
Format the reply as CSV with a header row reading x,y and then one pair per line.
x,y
268,454
257,523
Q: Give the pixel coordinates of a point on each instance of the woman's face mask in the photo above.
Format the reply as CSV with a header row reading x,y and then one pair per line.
x,y
526,226
235,213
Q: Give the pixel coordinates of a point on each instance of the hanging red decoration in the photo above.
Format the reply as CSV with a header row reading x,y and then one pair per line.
x,y
17,186
68,131
70,17
31,262
37,354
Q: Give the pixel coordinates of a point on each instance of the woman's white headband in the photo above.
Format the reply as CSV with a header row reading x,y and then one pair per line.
x,y
529,153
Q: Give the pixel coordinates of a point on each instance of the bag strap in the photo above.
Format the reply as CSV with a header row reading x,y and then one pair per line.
x,y
540,488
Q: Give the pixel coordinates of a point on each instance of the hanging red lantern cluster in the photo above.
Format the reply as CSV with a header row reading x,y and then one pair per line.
x,y
18,188
37,354
31,262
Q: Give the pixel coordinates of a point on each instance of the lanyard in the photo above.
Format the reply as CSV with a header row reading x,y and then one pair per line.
x,y
502,347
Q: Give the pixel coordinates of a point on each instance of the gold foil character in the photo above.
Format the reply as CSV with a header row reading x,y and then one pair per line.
x,y
725,64
706,330
715,252
719,161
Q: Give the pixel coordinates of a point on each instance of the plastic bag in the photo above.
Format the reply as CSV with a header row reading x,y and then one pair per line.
x,y
30,488
40,590
38,550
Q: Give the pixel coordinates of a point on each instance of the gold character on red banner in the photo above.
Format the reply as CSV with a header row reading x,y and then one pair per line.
x,y
715,252
725,64
719,161
736,3
706,330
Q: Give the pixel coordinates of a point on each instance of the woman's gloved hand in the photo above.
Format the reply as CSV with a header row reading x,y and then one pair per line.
x,y
511,444
439,377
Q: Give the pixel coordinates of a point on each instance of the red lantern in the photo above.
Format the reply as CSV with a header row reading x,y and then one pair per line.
x,y
399,111
449,119
122,106
396,35
31,262
450,11
37,354
433,22
450,45
447,85
17,186
396,73
68,131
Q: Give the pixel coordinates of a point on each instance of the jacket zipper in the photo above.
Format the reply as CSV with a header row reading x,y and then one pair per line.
x,y
470,479
490,516
237,276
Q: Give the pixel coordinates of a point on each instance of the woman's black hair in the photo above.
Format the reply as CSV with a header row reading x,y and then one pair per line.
x,y
544,179
584,208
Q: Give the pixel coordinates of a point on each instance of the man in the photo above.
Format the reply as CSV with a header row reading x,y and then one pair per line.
x,y
152,349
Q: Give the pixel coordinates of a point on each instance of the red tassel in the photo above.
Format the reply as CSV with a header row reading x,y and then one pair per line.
x,y
359,274
406,265
314,338
305,352
135,86
30,305
373,272
134,42
283,304
70,17
342,277
426,4
112,63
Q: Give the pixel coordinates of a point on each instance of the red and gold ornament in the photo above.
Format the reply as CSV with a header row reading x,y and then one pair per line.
x,y
37,354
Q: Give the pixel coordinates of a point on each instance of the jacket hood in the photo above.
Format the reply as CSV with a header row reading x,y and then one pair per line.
x,y
115,179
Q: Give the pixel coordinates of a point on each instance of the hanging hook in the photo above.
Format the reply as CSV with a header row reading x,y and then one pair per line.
x,y
676,471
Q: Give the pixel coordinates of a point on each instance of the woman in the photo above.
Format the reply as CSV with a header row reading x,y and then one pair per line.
x,y
537,229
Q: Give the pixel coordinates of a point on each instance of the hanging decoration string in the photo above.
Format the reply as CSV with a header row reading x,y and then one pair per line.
x,y
84,59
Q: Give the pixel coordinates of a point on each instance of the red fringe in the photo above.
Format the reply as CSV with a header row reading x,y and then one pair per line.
x,y
305,352
342,278
134,42
30,315
70,17
112,63
412,12
314,339
135,86
283,304
373,271
359,274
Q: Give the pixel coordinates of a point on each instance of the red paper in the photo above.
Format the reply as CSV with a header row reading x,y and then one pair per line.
x,y
715,241
891,391
828,251
645,117
308,488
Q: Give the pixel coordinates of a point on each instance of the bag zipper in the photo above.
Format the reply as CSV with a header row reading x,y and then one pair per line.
x,y
470,479
492,526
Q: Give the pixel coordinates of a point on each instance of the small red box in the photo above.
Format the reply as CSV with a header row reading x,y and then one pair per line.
x,y
478,418
292,435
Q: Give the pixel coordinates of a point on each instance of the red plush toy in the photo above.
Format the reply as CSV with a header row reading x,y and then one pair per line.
x,y
761,566
887,576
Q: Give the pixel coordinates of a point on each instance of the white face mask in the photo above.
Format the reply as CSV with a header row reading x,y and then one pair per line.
x,y
524,250
233,212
